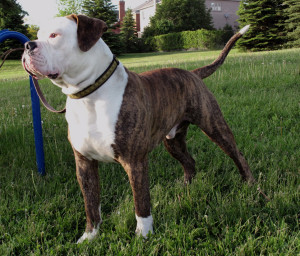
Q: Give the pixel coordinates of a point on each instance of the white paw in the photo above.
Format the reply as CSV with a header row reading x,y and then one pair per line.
x,y
144,226
88,235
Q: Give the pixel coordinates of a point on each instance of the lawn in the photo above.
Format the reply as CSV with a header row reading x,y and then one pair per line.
x,y
259,94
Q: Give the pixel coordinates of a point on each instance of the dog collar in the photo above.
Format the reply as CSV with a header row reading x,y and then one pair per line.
x,y
99,81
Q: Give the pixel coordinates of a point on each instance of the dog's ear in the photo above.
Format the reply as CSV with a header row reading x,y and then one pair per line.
x,y
89,30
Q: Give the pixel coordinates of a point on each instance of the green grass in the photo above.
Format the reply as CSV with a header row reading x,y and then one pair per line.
x,y
259,94
12,70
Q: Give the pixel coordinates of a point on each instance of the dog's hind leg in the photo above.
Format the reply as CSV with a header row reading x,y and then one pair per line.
x,y
215,127
88,179
177,148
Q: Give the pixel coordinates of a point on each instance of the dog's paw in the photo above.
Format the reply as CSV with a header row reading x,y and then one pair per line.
x,y
144,226
88,235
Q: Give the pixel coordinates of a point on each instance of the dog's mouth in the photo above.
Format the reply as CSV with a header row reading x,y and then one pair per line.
x,y
31,70
27,70
53,76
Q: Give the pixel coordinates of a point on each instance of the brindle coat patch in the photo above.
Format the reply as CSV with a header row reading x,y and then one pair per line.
x,y
153,103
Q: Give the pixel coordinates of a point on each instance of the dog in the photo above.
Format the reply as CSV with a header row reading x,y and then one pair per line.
x,y
115,115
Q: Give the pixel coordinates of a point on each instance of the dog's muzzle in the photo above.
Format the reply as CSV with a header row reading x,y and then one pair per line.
x,y
32,62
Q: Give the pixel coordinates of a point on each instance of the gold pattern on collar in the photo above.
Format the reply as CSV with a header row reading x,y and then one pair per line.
x,y
99,82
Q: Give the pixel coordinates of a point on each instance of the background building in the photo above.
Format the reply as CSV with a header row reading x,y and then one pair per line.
x,y
222,11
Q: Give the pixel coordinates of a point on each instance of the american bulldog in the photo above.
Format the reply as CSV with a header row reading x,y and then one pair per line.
x,y
115,115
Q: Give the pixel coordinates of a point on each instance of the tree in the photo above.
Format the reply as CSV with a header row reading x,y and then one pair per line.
x,y
227,33
101,9
293,22
32,31
67,7
179,15
266,19
11,17
129,32
106,11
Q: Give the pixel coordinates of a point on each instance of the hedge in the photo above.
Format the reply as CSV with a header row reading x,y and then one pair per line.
x,y
199,39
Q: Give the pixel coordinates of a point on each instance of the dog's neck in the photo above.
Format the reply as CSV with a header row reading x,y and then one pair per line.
x,y
85,73
101,80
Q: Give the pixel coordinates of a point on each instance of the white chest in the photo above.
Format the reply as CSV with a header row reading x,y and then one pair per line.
x,y
92,121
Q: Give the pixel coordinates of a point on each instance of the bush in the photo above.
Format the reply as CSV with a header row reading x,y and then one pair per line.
x,y
227,33
199,39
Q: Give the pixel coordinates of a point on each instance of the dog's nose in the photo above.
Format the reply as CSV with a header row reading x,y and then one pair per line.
x,y
30,46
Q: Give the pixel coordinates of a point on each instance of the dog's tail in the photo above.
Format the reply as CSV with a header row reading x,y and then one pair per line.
x,y
211,68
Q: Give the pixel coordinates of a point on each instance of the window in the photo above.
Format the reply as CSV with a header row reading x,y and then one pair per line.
x,y
216,7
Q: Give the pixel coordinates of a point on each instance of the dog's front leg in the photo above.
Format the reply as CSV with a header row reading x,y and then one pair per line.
x,y
88,179
139,181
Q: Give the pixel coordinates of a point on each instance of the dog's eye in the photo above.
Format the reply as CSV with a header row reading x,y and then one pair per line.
x,y
53,35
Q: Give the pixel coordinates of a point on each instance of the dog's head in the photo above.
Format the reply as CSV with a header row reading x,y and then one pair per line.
x,y
61,45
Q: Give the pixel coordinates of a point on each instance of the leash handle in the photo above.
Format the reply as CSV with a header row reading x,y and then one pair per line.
x,y
43,99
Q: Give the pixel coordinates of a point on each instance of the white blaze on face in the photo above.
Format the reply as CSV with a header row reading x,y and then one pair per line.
x,y
55,44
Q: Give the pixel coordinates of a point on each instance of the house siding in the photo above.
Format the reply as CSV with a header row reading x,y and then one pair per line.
x,y
223,12
145,15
